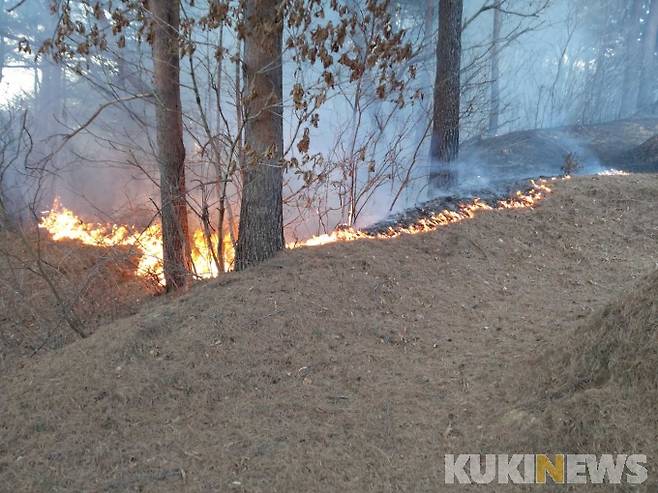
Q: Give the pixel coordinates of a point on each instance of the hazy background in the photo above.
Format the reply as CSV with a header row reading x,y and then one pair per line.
x,y
562,62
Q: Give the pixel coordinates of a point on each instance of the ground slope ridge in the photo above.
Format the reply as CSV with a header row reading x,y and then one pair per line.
x,y
598,392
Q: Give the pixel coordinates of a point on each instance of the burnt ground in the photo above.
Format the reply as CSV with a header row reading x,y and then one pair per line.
x,y
348,367
623,144
492,195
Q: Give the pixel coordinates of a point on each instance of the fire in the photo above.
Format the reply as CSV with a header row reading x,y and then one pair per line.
x,y
342,233
204,256
63,224
465,211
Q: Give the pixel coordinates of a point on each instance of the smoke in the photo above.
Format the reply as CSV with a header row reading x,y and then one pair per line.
x,y
560,69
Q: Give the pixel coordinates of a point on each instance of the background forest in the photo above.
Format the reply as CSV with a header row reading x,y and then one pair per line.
x,y
355,147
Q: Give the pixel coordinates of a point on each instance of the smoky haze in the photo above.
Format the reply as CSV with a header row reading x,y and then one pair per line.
x,y
82,128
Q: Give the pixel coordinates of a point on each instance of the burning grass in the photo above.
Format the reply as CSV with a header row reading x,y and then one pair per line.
x,y
63,224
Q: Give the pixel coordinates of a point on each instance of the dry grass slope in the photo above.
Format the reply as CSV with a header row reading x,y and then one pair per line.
x,y
350,367
621,344
607,403
97,284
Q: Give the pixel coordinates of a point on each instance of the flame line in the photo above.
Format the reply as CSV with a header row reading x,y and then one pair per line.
x,y
521,200
64,224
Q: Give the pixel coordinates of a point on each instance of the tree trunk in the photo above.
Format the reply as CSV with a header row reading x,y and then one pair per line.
x,y
51,95
171,151
444,146
261,210
3,48
222,175
631,75
646,93
4,220
494,104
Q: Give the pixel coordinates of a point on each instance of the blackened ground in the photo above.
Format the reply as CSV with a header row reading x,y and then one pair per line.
x,y
620,144
501,190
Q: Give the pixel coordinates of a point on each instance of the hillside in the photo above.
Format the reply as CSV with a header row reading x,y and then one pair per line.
x,y
348,367
616,144
603,386
644,155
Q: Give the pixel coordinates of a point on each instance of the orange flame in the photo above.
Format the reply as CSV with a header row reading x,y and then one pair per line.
x,y
62,224
520,200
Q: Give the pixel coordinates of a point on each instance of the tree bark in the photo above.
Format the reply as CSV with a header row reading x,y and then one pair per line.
x,y
261,210
444,146
494,104
646,93
171,151
222,177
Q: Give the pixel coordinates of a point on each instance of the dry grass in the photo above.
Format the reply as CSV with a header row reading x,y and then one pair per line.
x,y
350,367
97,284
620,344
599,389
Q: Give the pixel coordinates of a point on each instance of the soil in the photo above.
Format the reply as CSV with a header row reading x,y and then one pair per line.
x,y
348,367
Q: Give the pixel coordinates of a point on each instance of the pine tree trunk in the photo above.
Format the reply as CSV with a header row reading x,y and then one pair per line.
x,y
171,151
494,108
646,93
444,146
261,210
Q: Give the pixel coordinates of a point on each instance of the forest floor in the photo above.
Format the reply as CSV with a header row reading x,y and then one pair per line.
x,y
99,283
354,367
623,144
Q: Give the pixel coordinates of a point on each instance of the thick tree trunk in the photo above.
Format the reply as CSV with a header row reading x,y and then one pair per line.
x,y
261,210
444,146
494,104
647,86
171,151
